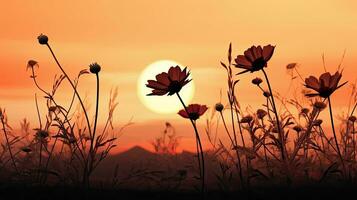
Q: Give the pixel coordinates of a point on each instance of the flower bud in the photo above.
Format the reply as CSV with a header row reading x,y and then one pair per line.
x,y
317,122
42,39
352,118
94,68
266,94
246,119
261,113
319,105
219,107
257,81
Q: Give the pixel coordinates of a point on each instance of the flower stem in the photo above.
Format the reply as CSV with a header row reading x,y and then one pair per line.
x,y
74,88
335,137
200,155
92,148
7,141
281,135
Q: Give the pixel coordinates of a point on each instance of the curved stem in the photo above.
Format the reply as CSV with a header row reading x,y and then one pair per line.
x,y
199,154
74,88
281,135
7,141
334,135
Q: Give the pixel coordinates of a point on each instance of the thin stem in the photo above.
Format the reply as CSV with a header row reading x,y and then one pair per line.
x,y
335,137
281,136
92,146
7,141
74,88
38,111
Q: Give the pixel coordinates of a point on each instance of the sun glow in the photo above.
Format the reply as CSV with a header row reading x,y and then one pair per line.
x,y
162,104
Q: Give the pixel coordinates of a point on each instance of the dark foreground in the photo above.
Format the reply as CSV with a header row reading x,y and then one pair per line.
x,y
53,193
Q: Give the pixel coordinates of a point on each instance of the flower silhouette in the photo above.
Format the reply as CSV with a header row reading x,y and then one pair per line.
x,y
170,82
31,64
325,85
255,58
194,111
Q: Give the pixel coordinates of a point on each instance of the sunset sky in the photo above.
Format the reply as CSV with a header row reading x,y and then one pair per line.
x,y
124,37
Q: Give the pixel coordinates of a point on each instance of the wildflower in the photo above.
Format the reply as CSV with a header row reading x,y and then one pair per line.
x,y
317,122
319,105
298,128
257,81
305,111
352,118
41,134
291,66
170,82
94,68
261,113
219,107
255,58
194,111
266,94
42,39
246,119
32,64
325,85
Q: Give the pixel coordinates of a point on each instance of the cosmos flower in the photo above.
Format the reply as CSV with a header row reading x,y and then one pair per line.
x,y
170,82
325,85
255,58
194,111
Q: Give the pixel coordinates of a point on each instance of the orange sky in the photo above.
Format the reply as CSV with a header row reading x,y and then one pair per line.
x,y
126,36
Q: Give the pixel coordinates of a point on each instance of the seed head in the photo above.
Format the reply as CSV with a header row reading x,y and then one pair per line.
x,y
317,122
298,128
94,68
261,113
42,39
319,105
257,81
266,94
219,107
305,111
246,119
352,118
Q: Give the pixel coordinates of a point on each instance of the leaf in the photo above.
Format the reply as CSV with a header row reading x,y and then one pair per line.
x,y
230,53
224,65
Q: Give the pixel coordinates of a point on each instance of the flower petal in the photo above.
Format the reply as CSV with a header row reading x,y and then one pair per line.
x,y
157,92
174,73
268,52
156,85
203,109
312,83
183,113
243,62
325,80
257,51
249,54
163,78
